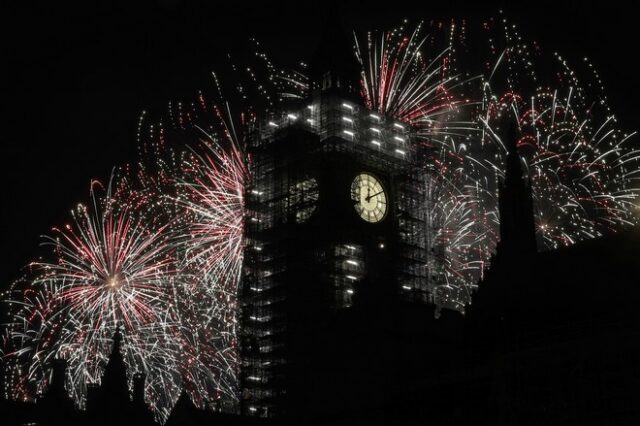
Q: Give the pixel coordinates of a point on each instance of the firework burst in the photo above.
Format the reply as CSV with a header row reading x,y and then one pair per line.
x,y
111,267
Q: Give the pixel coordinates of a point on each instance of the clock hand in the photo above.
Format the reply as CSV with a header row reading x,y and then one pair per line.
x,y
371,196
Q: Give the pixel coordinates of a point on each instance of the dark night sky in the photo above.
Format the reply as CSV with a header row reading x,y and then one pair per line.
x,y
78,78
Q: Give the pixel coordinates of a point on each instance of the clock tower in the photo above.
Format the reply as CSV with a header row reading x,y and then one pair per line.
x,y
336,231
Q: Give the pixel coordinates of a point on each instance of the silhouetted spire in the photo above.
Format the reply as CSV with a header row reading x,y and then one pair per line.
x,y
184,412
333,65
114,380
117,341
58,377
517,221
139,409
56,407
138,388
514,175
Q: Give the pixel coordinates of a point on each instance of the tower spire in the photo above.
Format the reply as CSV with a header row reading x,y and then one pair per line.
x,y
334,67
114,379
517,223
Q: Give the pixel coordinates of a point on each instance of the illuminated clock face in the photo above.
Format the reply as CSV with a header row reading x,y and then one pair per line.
x,y
369,197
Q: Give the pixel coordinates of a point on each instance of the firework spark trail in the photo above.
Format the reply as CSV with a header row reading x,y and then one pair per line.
x,y
197,168
214,196
201,186
205,195
580,169
581,165
211,242
400,78
461,241
396,81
